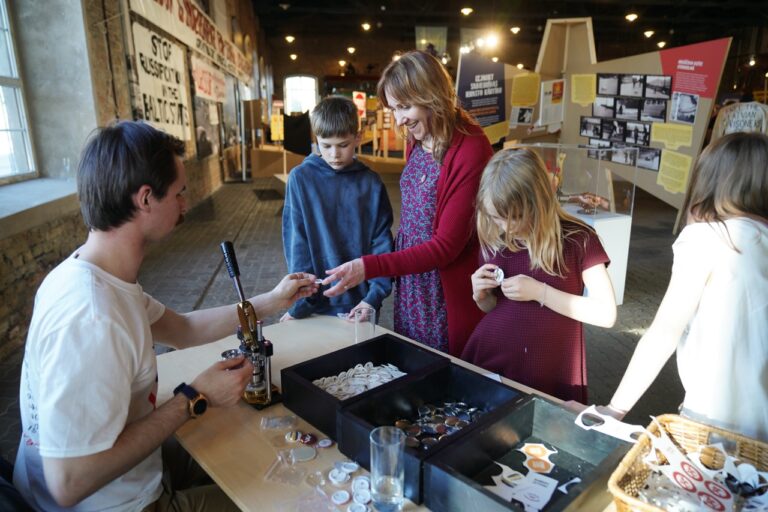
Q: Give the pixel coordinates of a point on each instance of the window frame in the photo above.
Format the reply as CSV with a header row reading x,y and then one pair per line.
x,y
18,84
285,90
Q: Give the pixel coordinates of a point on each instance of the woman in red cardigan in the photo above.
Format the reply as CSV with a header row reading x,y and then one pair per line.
x,y
436,247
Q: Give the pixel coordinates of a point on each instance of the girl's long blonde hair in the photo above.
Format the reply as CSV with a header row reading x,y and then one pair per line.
x,y
418,78
516,185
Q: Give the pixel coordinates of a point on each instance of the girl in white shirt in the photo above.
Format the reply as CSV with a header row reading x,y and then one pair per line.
x,y
715,310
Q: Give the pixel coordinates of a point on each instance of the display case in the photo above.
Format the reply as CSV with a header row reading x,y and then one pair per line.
x,y
452,384
319,407
597,185
455,479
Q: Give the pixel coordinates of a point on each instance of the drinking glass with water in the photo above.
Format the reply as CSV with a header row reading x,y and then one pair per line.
x,y
387,468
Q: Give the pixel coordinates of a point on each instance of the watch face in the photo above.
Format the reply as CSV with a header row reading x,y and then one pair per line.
x,y
200,406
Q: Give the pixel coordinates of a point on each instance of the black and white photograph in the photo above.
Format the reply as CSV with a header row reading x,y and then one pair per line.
x,y
608,85
649,158
590,127
613,130
684,107
628,108
658,86
625,155
600,143
654,110
604,107
638,133
525,115
632,85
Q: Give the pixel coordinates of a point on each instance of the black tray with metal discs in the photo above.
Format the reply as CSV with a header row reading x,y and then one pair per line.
x,y
319,407
433,410
454,479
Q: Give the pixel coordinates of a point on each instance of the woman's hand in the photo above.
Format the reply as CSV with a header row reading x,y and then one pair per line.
x,y
523,288
483,281
361,305
348,275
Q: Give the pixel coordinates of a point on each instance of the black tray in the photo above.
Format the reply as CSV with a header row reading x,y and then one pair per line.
x,y
452,383
319,407
454,478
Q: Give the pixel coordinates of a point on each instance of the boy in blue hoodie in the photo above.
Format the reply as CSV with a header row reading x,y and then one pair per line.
x,y
336,209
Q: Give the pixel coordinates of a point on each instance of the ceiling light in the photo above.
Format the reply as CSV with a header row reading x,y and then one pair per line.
x,y
464,49
466,11
294,56
342,63
284,7
648,34
290,39
351,50
514,30
520,65
480,42
444,60
495,59
766,74
423,41
366,26
661,44
631,17
752,61
396,56
492,40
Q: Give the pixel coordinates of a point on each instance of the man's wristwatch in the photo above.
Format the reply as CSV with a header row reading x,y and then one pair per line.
x,y
197,401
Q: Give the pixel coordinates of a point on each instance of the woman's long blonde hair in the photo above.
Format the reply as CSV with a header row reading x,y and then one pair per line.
x,y
730,179
418,78
516,184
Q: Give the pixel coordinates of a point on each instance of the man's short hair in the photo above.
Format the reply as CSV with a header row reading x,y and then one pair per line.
x,y
335,116
116,161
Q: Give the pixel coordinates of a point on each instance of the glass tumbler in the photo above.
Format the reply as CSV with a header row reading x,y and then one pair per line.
x,y
387,468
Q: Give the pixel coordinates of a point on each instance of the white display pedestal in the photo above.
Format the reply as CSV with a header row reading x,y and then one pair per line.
x,y
614,231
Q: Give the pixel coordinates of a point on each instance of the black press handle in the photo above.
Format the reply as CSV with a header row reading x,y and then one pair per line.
x,y
230,259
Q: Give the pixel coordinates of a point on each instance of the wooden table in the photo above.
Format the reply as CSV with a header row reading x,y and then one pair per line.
x,y
228,443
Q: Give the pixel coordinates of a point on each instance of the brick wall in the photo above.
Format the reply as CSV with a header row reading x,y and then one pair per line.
x,y
25,259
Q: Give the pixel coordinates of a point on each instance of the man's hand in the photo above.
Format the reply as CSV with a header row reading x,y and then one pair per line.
x,y
223,384
291,288
348,275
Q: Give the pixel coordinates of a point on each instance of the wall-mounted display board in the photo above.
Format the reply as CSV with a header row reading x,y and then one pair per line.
x,y
658,102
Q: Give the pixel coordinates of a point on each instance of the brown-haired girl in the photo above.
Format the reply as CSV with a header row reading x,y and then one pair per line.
x,y
715,310
538,260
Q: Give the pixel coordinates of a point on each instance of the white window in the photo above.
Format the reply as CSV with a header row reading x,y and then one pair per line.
x,y
15,147
300,93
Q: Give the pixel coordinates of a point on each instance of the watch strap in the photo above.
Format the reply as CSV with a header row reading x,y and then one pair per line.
x,y
187,390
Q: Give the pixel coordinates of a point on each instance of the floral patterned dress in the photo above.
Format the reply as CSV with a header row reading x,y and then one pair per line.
x,y
420,311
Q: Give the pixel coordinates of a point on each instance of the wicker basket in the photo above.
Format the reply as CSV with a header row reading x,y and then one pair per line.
x,y
631,474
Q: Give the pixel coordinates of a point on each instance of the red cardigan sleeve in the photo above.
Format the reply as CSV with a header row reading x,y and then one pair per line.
x,y
454,224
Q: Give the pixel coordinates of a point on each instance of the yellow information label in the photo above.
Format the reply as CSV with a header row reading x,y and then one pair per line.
x,y
672,135
525,89
673,171
583,89
276,126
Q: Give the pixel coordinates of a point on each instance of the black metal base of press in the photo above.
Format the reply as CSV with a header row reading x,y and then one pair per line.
x,y
277,398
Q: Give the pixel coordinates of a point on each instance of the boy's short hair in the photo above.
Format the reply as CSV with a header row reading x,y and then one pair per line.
x,y
116,162
335,116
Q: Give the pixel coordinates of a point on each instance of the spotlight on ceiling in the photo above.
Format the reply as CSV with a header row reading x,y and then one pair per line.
x,y
752,61
648,34
631,17
661,44
492,40
342,63
294,56
520,65
366,26
464,49
495,59
515,30
466,11
290,39
351,50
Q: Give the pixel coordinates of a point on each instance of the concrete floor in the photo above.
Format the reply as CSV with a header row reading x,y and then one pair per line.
x,y
186,272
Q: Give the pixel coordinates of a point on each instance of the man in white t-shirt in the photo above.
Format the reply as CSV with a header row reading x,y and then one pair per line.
x,y
91,429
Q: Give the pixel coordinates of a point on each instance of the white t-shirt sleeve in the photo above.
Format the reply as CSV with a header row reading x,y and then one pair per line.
x,y
692,250
86,373
154,308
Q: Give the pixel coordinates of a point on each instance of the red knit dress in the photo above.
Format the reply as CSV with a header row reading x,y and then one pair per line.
x,y
531,344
